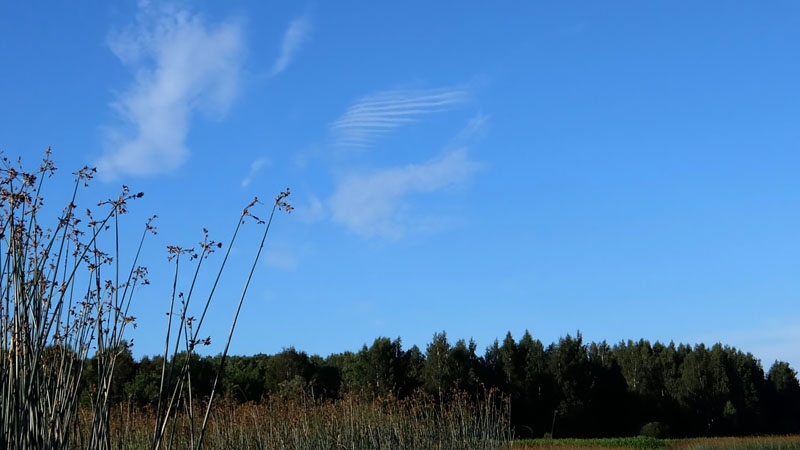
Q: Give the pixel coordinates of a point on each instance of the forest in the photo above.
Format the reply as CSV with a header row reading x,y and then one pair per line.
x,y
568,388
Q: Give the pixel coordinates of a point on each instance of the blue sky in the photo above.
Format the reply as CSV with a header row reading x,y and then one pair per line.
x,y
626,169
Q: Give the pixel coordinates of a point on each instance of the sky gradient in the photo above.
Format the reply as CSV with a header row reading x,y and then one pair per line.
x,y
625,169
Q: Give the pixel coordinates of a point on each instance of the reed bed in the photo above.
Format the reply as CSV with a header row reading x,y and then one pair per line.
x,y
61,297
415,423
65,296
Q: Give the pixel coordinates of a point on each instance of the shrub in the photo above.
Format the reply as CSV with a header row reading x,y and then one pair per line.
x,y
654,430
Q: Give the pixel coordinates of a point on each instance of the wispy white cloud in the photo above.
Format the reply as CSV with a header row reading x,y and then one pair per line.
x,y
367,204
475,129
182,66
296,34
375,115
255,167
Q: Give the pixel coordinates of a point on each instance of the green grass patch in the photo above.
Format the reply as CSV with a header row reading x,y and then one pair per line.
x,y
737,443
639,442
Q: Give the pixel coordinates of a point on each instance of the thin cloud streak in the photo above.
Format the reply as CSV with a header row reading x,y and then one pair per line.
x,y
367,204
296,34
376,115
182,66
255,168
476,128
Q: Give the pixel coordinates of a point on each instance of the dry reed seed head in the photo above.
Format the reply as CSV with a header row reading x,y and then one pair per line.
x,y
149,224
281,203
175,251
86,173
47,164
140,274
28,179
195,342
282,195
208,246
246,210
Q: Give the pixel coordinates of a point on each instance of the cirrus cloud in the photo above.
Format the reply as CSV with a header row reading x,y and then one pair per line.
x,y
367,204
375,115
181,66
296,34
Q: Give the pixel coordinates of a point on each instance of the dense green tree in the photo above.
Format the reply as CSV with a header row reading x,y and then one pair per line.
x,y
491,370
610,402
345,365
569,365
537,400
413,364
784,398
288,373
379,368
326,381
511,365
437,372
244,377
143,388
747,390
464,366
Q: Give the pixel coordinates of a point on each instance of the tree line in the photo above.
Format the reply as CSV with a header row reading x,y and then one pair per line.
x,y
568,388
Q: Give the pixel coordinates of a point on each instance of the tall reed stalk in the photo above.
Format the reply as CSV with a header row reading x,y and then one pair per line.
x,y
186,337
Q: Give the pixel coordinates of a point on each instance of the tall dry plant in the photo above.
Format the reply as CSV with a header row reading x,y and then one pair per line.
x,y
57,303
418,422
64,300
175,372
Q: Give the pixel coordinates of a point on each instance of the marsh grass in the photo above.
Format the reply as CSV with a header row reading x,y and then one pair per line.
x,y
415,423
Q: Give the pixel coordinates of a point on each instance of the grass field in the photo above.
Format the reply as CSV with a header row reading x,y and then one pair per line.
x,y
737,443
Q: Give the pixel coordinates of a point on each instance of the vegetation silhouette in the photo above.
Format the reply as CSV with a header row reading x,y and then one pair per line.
x,y
568,388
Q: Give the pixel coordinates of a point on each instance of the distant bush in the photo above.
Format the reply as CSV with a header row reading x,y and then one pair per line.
x,y
656,430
